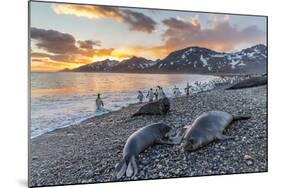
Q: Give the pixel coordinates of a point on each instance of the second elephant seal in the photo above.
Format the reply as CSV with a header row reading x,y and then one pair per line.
x,y
206,128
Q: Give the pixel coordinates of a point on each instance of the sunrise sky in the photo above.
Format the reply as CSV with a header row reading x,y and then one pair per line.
x,y
68,35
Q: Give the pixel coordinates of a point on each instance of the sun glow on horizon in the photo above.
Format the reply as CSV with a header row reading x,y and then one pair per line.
x,y
102,58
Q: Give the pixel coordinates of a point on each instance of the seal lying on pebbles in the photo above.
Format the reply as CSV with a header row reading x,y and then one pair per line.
x,y
160,107
206,128
145,137
251,82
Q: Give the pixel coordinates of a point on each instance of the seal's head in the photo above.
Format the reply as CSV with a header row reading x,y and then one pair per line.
x,y
171,133
164,105
166,130
190,144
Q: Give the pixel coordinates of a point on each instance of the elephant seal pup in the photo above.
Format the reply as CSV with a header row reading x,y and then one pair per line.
x,y
160,107
208,127
145,137
251,82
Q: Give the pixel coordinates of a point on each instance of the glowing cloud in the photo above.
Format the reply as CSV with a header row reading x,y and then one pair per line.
x,y
61,50
222,36
137,21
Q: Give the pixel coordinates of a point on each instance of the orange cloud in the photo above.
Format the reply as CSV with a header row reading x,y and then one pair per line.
x,y
221,37
88,44
88,11
61,50
137,21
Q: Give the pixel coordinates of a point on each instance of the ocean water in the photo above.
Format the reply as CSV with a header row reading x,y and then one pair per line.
x,y
62,99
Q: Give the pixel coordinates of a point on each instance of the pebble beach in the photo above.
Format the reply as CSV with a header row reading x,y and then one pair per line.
x,y
88,152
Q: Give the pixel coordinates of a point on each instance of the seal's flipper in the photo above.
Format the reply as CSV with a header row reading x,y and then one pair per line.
x,y
120,169
242,117
161,141
185,129
177,140
132,169
135,166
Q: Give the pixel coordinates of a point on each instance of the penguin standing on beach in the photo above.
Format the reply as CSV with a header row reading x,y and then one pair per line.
x,y
176,91
187,89
140,97
156,94
150,95
161,93
99,103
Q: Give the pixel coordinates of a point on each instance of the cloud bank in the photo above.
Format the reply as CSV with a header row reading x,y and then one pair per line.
x,y
137,21
63,49
222,36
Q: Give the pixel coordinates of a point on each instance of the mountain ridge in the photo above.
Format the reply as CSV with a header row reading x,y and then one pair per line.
x,y
188,60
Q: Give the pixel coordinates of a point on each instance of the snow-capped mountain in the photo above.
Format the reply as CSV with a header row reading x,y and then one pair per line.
x,y
203,60
134,64
189,60
99,66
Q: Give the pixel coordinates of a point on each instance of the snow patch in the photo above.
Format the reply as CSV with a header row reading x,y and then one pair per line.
x,y
233,63
195,64
251,54
218,55
204,61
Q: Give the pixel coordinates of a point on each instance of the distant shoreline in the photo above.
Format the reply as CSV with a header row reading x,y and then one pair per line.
x,y
207,74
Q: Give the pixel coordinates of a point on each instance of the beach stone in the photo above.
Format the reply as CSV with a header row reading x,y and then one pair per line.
x,y
145,162
247,157
159,166
249,162
177,171
161,174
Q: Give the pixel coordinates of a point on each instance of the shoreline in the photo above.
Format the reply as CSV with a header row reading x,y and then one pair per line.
x,y
87,152
112,111
94,115
192,73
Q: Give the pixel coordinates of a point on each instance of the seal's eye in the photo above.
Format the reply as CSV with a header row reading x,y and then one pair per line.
x,y
191,140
